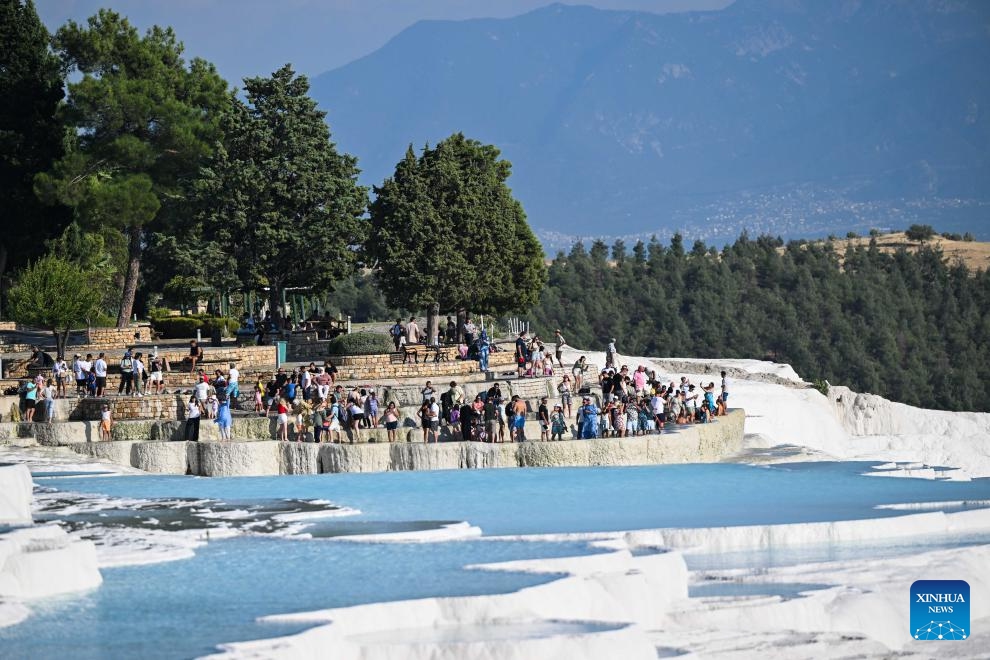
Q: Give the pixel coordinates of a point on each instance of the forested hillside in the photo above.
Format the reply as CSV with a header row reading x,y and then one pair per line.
x,y
909,326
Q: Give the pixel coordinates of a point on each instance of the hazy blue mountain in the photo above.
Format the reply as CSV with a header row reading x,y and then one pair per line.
x,y
791,116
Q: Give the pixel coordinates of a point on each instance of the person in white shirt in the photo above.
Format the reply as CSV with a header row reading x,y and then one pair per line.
x,y
79,374
60,372
202,391
193,414
48,393
85,366
100,369
412,331
233,388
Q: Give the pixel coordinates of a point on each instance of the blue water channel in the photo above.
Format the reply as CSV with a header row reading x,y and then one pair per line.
x,y
184,608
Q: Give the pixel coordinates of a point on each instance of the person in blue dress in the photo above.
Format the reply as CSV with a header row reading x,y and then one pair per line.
x,y
483,350
588,413
224,421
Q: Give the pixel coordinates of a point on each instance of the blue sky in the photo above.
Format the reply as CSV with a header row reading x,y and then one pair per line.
x,y
255,37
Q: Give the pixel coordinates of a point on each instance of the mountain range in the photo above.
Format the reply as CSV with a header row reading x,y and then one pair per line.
x,y
793,117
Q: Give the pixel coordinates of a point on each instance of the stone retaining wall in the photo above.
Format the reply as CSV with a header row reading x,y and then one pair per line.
x,y
377,367
700,443
118,337
165,406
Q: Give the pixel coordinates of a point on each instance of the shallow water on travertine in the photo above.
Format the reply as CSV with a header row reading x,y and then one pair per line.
x,y
287,559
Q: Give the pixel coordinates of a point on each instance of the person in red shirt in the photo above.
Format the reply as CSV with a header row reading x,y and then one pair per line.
x,y
283,421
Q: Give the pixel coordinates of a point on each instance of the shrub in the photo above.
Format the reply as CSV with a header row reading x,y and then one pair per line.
x,y
821,385
177,327
361,343
227,326
852,234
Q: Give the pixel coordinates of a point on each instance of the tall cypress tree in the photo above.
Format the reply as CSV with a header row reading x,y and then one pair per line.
x,y
144,121
278,197
31,134
447,234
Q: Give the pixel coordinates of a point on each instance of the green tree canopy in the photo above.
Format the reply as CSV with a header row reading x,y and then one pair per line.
x,y
31,134
144,122
446,233
57,294
919,233
277,196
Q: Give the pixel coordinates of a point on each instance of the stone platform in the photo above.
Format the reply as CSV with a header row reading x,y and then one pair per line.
x,y
699,443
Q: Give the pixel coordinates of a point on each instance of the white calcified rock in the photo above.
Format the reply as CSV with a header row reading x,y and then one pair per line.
x,y
698,443
15,495
42,560
616,596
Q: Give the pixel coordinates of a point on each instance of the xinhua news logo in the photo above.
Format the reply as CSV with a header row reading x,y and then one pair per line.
x,y
940,610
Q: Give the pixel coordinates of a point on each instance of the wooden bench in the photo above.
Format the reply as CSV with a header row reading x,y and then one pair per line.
x,y
415,350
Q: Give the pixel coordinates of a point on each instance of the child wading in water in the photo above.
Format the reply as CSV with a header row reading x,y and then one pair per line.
x,y
106,422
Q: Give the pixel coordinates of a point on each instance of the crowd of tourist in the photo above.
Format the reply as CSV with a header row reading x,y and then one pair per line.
x,y
307,399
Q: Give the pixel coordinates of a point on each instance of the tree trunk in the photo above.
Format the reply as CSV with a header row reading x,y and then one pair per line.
x,y
462,316
3,271
275,304
131,279
61,341
432,318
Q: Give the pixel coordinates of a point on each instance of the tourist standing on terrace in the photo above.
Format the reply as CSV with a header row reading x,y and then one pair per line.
x,y
610,355
470,330
156,374
725,389
48,393
578,371
559,342
564,390
79,374
412,331
106,423
60,372
139,374
429,415
451,330
518,419
544,414
427,392
126,373
87,371
100,368
558,423
484,348
397,331
639,380
283,421
223,420
522,354
194,411
233,385
391,418
588,418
